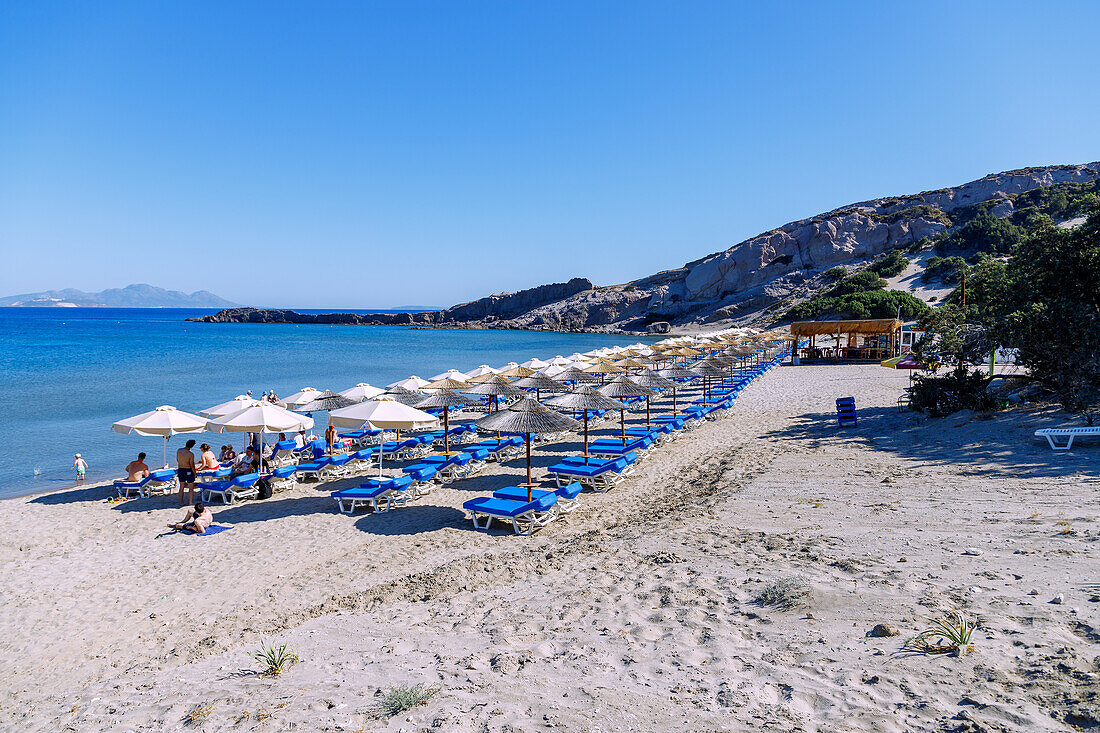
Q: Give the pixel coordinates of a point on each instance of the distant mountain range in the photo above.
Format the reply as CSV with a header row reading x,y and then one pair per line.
x,y
131,296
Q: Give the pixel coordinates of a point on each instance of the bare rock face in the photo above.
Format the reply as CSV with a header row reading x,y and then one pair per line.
x,y
771,265
510,305
734,284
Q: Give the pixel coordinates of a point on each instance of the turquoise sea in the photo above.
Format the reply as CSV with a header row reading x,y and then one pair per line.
x,y
68,373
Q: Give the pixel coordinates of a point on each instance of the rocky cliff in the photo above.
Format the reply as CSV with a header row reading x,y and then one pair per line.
x,y
496,307
738,284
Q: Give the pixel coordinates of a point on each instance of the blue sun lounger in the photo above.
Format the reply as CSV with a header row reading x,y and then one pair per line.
x,y
381,496
525,516
599,476
239,487
614,448
282,453
283,477
161,480
567,495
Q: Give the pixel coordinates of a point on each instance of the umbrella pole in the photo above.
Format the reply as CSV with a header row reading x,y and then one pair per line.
x,y
586,437
446,439
647,423
622,424
166,451
528,435
674,411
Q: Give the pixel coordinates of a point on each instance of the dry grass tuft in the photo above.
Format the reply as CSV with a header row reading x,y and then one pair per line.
x,y
400,698
784,593
198,715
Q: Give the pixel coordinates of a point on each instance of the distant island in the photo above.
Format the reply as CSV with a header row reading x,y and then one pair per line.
x,y
131,296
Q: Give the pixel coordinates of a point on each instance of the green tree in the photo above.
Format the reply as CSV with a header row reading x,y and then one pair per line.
x,y
1052,304
984,233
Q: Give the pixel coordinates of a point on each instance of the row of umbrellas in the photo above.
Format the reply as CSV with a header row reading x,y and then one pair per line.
x,y
394,408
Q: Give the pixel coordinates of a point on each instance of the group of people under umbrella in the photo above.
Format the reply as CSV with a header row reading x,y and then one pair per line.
x,y
402,406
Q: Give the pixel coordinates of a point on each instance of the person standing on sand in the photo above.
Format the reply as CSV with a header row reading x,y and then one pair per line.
x,y
330,438
81,467
185,471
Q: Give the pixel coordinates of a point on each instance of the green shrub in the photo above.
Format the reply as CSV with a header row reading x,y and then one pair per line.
x,y
859,283
890,265
866,304
983,233
959,389
948,269
919,246
923,211
835,273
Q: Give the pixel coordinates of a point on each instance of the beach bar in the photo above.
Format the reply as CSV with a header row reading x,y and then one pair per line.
x,y
845,341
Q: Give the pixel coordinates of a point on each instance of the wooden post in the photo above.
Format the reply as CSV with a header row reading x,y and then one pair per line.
x,y
528,436
585,437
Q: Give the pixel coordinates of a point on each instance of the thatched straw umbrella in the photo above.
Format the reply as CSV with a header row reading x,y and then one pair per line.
x,y
540,383
445,398
448,383
496,387
673,373
623,387
527,416
326,402
585,398
650,378
707,372
404,396
572,374
516,371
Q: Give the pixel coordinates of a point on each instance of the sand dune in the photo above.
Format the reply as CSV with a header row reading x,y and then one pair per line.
x,y
635,613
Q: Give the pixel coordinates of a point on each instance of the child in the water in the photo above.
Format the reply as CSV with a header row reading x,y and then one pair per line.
x,y
81,467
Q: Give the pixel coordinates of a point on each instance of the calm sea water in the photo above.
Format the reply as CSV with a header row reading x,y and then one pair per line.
x,y
69,373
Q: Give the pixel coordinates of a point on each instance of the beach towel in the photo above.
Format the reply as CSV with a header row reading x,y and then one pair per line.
x,y
214,529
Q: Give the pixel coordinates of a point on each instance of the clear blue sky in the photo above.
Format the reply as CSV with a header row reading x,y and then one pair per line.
x,y
372,155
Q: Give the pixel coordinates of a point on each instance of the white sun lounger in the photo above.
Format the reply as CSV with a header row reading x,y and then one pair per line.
x,y
1069,433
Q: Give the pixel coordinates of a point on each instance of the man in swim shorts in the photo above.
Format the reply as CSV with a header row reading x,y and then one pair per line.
x,y
196,520
137,470
185,471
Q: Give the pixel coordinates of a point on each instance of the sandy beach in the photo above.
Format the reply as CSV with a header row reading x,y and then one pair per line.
x,y
636,612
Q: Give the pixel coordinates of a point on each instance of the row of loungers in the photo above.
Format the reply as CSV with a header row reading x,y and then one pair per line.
x,y
608,462
382,494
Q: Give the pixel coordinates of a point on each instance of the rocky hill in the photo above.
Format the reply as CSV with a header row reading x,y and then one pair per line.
x,y
747,282
131,296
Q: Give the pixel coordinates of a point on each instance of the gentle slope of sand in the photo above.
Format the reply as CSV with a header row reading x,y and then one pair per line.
x,y
635,613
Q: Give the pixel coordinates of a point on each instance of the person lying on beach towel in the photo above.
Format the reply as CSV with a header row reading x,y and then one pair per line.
x,y
196,520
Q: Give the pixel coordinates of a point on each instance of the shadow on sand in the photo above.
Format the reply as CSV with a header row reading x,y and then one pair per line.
x,y
995,443
411,519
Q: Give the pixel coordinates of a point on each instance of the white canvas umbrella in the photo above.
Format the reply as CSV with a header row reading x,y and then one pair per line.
x,y
361,391
236,404
450,374
554,370
412,383
164,422
302,396
480,371
560,360
535,363
262,418
382,414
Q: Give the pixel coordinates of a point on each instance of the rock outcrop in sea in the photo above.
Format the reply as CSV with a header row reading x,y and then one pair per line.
x,y
735,285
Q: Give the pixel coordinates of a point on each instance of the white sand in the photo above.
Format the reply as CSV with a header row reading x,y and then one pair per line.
x,y
635,613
